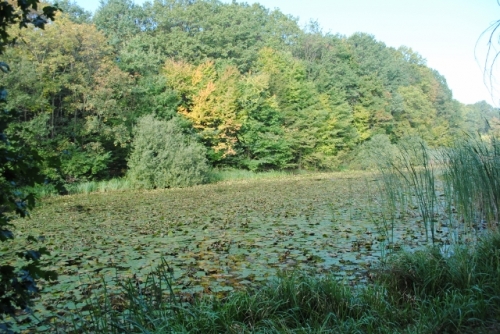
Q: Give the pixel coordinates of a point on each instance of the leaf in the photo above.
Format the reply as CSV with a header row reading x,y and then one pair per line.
x,y
6,235
4,67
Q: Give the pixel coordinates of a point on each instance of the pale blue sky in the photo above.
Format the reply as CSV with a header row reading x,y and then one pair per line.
x,y
444,32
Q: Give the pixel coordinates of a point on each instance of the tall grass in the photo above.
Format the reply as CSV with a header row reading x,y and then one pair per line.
x,y
420,292
472,171
291,303
99,186
214,177
221,175
408,178
466,177
391,200
88,187
415,167
452,292
121,184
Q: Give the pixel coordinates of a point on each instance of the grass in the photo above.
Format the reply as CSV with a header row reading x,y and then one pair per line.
x,y
99,186
461,182
276,253
225,175
411,170
122,184
412,292
456,292
87,187
473,172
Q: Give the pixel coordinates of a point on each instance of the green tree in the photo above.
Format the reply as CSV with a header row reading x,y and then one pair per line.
x,y
418,114
22,13
261,139
233,34
480,117
141,55
163,156
70,82
19,167
119,20
75,13
317,126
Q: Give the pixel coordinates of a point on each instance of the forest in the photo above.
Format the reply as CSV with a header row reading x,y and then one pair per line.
x,y
217,85
210,167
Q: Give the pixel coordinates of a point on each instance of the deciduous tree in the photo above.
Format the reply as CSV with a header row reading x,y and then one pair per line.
x,y
19,167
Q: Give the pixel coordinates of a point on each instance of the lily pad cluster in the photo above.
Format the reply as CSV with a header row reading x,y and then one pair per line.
x,y
215,238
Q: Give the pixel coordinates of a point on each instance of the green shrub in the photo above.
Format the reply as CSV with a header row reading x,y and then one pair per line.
x,y
373,152
162,156
78,165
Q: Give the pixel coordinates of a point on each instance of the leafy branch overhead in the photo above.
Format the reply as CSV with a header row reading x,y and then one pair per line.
x,y
22,13
20,169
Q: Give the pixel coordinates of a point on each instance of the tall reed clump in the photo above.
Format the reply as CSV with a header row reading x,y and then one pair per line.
x,y
467,177
391,206
409,177
472,172
449,293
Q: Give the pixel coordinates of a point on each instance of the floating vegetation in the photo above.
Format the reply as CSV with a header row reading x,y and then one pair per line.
x,y
216,237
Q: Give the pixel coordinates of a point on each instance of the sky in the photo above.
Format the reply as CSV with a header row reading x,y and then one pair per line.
x,y
447,33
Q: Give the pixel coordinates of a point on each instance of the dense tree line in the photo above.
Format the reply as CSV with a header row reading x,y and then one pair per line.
x,y
256,90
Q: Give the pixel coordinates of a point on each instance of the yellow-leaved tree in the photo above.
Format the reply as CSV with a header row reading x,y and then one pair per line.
x,y
209,100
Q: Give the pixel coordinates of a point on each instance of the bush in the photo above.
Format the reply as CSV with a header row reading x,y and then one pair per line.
x,y
373,152
78,165
162,156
